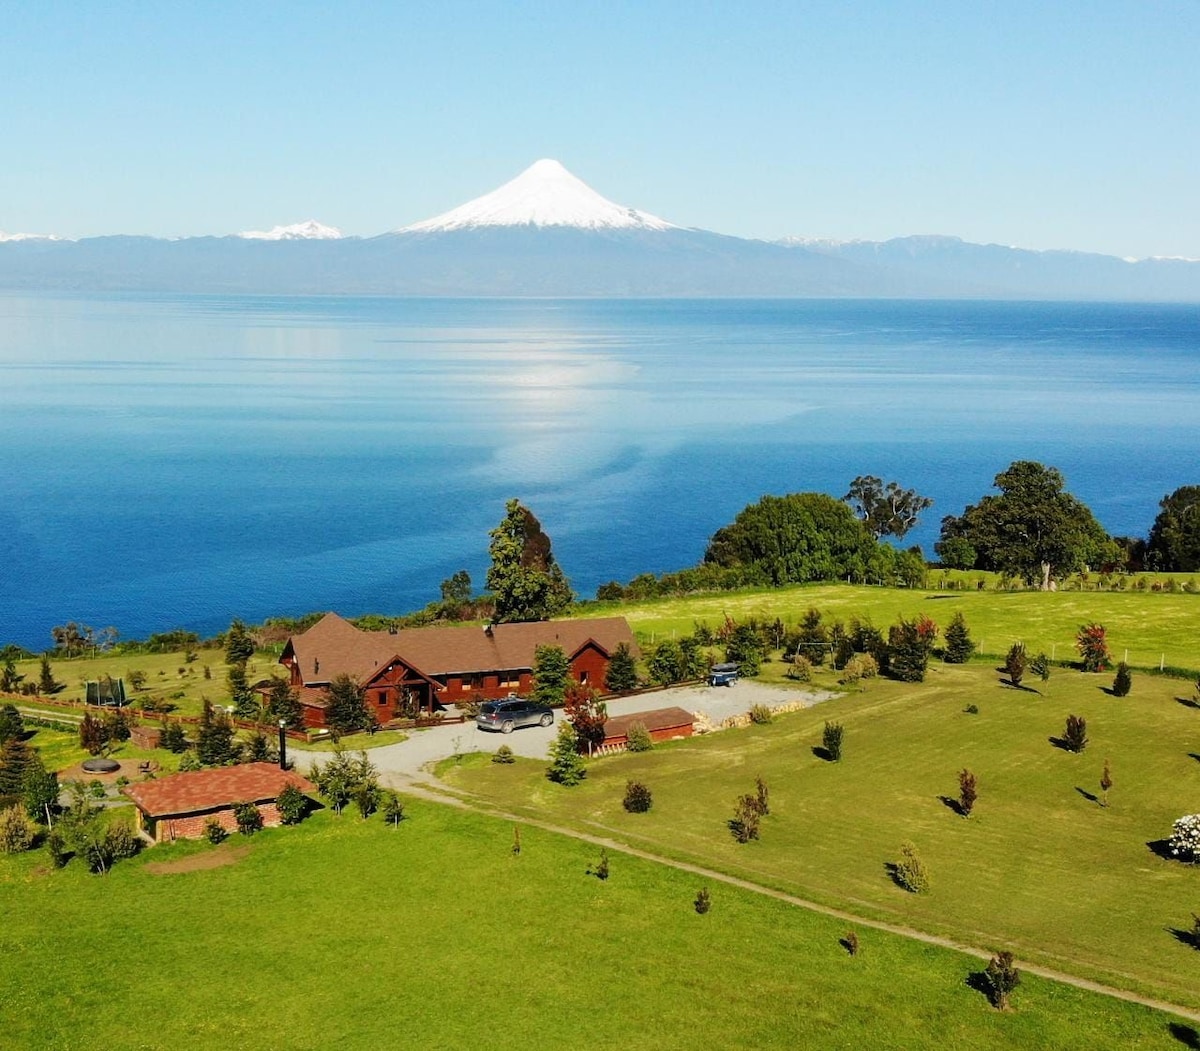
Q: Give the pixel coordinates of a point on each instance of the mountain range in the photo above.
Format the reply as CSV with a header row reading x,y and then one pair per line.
x,y
547,233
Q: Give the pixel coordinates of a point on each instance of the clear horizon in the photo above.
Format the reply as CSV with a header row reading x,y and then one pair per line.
x,y
1069,128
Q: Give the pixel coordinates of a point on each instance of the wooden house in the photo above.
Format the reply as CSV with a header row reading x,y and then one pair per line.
x,y
424,669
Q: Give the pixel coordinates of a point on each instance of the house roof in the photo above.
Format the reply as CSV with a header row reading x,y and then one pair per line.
x,y
200,790
333,646
658,719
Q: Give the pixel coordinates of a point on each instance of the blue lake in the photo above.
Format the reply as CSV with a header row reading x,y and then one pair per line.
x,y
177,461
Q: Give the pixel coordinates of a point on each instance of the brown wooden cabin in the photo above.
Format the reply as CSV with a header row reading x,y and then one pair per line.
x,y
663,724
436,666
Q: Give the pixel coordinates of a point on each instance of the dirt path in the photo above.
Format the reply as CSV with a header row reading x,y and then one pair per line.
x,y
440,793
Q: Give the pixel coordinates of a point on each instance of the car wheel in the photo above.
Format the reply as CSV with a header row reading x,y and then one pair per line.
x,y
547,719
506,727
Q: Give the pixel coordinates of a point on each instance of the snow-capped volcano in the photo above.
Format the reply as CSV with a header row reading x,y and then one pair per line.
x,y
310,230
544,194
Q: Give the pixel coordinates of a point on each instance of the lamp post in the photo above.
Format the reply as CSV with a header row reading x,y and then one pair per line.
x,y
282,745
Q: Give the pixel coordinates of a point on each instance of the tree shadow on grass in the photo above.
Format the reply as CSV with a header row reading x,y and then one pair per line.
x,y
1162,849
1189,938
1185,1034
952,804
893,871
1060,743
1194,755
823,753
1188,702
1091,797
1008,684
978,980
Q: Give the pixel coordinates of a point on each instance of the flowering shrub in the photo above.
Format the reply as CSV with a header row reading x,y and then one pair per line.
x,y
1185,838
1092,643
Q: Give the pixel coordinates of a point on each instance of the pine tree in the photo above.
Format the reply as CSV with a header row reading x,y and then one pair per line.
x,y
47,684
959,644
567,766
1123,681
239,644
908,652
10,680
16,757
551,674
241,697
283,703
11,723
214,737
1014,663
524,579
347,709
621,676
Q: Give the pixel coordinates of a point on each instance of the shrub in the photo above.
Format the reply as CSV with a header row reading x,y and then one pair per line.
x,y
909,644
1092,644
1040,666
1106,782
189,761
703,901
1185,838
959,645
215,832
16,830
1002,978
863,666
968,792
121,841
366,798
1075,734
601,869
1014,663
831,741
910,871
56,847
850,941
762,796
504,755
173,738
971,709
637,797
393,809
638,738
761,715
567,766
1123,681
744,823
800,669
292,805
248,819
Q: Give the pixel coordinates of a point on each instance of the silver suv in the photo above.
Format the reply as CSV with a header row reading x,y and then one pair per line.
x,y
508,715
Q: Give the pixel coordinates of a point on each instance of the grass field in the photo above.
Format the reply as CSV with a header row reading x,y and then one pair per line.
x,y
347,934
1153,627
1040,867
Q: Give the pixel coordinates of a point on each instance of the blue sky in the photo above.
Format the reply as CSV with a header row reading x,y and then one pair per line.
x,y
1064,125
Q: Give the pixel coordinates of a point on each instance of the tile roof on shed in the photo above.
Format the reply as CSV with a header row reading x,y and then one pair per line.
x,y
200,790
658,719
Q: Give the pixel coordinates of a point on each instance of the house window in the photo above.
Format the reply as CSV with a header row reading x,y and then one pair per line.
x,y
383,698
583,678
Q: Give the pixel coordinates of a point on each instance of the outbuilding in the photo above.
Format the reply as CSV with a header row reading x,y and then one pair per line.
x,y
663,724
180,805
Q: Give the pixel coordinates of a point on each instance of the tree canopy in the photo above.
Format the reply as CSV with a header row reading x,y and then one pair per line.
x,y
886,510
1032,529
524,578
1174,544
797,538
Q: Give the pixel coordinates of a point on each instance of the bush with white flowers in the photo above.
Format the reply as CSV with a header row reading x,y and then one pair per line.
x,y
1185,838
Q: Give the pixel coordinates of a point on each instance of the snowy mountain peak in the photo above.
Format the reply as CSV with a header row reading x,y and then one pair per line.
x,y
310,230
28,237
544,194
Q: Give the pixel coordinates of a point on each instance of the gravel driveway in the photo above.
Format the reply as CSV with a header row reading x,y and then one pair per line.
x,y
425,747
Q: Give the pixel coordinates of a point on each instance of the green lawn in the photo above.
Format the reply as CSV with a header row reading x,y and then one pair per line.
x,y
347,934
1040,868
353,743
169,677
1153,627
60,750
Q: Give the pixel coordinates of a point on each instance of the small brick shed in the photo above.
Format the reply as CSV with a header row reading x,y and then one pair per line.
x,y
179,806
664,724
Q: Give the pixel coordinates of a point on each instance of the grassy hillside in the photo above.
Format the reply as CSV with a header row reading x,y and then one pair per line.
x,y
1153,626
1040,867
348,934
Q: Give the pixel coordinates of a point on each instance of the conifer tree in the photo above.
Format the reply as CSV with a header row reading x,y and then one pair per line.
x,y
959,644
621,676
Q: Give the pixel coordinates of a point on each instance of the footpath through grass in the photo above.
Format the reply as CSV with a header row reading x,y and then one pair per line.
x,y
1154,627
1040,867
347,934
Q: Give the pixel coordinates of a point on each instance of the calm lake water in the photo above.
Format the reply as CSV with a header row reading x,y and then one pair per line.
x,y
178,461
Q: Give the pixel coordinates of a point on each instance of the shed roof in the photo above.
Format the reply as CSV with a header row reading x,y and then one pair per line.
x,y
200,790
658,719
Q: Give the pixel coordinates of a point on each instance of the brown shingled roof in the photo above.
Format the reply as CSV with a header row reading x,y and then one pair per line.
x,y
334,646
658,719
200,790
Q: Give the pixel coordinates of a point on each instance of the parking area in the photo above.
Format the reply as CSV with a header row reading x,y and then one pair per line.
x,y
410,758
